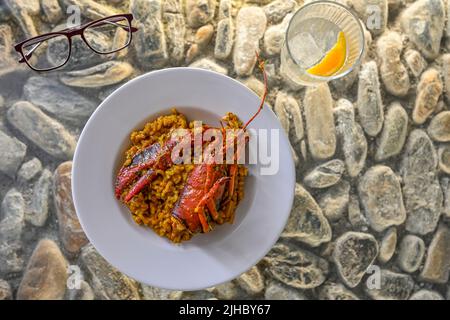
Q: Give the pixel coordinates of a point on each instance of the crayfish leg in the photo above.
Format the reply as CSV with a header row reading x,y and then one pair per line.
x,y
202,217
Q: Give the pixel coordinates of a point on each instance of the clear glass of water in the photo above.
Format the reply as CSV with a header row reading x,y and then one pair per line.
x,y
312,33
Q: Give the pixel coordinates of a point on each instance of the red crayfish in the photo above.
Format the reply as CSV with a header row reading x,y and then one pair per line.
x,y
206,184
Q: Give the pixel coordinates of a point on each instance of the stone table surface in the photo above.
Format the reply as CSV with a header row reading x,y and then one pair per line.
x,y
371,213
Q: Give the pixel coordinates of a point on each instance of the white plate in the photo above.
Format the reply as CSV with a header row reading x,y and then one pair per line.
x,y
207,259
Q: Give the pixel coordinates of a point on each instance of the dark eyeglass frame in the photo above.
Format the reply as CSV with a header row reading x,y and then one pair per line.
x,y
69,33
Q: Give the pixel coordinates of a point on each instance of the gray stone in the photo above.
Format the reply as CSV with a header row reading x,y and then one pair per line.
x,y
225,9
5,290
351,137
38,212
355,216
108,283
320,127
13,210
228,291
173,6
13,152
437,263
70,231
388,245
423,22
275,35
446,189
150,42
411,252
52,10
208,64
444,158
381,197
92,9
29,169
325,175
278,9
175,32
224,39
334,201
296,267
57,99
252,281
153,293
278,291
197,295
392,71
335,291
200,12
415,62
43,131
439,128
353,254
105,74
253,84
375,20
393,286
46,275
8,63
429,90
421,190
307,222
446,73
289,113
23,13
84,293
426,295
369,103
250,26
393,136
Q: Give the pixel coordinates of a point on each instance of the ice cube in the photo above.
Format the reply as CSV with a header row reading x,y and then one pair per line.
x,y
305,50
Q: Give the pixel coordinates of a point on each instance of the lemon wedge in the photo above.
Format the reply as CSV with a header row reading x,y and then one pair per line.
x,y
333,61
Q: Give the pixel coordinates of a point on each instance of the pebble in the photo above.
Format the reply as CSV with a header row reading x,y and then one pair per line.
x,y
23,13
439,128
253,84
204,35
228,291
415,62
5,290
250,26
46,274
381,197
275,35
355,216
437,263
7,61
375,20
351,137
392,71
224,39
388,245
325,175
153,293
225,9
108,283
296,267
92,9
421,190
38,212
394,132
423,22
175,32
29,169
208,64
334,201
444,158
278,9
446,189
426,295
11,226
353,254
252,281
57,99
200,12
429,90
278,291
288,110
369,103
43,131
12,155
150,43
446,73
411,253
70,231
105,74
307,222
84,293
393,286
321,131
52,11
172,6
335,291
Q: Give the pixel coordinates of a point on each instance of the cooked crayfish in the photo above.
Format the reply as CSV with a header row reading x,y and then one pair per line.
x,y
206,184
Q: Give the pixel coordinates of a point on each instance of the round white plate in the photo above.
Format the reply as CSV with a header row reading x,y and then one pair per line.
x,y
207,259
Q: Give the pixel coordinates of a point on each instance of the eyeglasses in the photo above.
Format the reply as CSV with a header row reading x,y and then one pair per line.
x,y
52,50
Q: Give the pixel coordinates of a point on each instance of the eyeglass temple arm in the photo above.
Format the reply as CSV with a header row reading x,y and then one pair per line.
x,y
29,54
